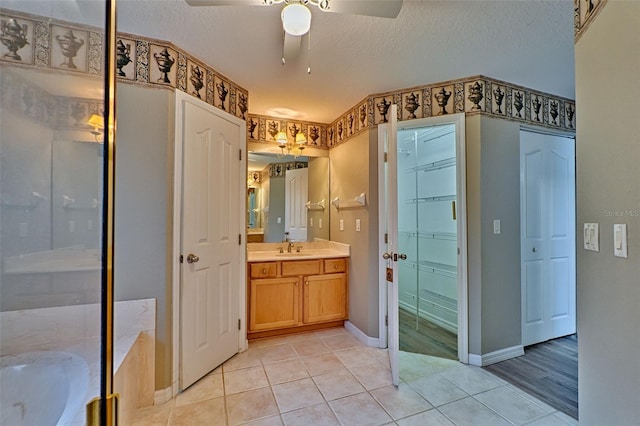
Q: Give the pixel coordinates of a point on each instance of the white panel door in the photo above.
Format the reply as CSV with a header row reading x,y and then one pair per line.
x,y
547,230
211,225
295,197
388,189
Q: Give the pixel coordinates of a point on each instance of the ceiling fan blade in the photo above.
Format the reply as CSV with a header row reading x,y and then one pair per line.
x,y
380,8
291,46
225,2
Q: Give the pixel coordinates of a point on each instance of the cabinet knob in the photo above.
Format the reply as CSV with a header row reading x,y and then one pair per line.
x,y
264,271
306,283
335,266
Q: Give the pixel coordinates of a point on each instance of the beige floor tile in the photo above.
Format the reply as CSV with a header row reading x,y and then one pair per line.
x,y
472,379
359,410
153,416
246,359
470,412
511,405
342,341
267,421
252,405
356,357
373,376
431,418
338,385
311,347
315,415
331,332
436,389
209,412
210,386
294,395
401,401
322,364
277,353
285,371
243,380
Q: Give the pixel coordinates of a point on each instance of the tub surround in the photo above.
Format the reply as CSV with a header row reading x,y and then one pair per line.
x,y
70,259
76,329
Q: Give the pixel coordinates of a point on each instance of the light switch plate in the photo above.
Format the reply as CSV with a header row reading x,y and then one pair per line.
x,y
591,237
496,226
310,222
320,223
620,240
342,224
358,225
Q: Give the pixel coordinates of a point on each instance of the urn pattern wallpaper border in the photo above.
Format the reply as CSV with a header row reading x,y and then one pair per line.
x,y
31,41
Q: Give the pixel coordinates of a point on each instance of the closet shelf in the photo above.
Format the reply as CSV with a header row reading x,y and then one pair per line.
x,y
430,199
436,165
431,235
359,201
442,269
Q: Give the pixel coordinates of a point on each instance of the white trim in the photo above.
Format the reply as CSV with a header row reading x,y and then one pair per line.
x,y
463,285
382,228
496,356
181,97
374,342
162,396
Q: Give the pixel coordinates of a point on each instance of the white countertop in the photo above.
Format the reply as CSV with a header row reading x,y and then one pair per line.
x,y
262,252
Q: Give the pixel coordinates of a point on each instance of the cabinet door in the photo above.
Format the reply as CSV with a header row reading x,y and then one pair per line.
x,y
325,298
274,303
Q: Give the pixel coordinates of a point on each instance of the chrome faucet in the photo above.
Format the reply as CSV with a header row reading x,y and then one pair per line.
x,y
289,246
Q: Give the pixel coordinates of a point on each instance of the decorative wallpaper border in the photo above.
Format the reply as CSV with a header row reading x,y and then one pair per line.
x,y
471,95
72,48
263,129
33,41
585,12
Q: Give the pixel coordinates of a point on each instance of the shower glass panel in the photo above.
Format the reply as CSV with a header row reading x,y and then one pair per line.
x,y
51,209
428,282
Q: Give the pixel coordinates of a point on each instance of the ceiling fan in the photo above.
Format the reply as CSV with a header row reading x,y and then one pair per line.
x,y
296,16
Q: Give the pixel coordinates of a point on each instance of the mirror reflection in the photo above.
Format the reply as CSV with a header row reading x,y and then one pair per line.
x,y
287,198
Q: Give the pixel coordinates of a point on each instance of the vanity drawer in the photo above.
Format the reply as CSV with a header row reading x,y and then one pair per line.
x,y
335,265
300,267
264,270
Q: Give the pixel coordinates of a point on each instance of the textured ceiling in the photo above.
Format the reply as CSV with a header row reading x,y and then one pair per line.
x,y
525,42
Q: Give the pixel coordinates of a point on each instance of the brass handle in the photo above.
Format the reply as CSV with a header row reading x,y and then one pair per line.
x,y
453,210
192,258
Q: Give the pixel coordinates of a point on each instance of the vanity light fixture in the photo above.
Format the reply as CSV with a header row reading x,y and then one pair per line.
x,y
290,148
97,122
296,19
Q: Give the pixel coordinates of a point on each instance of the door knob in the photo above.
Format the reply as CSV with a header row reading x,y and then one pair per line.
x,y
192,258
387,256
402,256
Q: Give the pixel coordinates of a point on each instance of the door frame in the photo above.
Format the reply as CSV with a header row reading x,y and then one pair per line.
x,y
176,232
461,189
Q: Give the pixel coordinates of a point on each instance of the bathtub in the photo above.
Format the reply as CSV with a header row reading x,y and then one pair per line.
x,y
42,388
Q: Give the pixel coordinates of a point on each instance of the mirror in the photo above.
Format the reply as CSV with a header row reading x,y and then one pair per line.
x,y
267,198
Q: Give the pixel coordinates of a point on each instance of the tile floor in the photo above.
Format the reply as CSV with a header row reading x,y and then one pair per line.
x,y
329,378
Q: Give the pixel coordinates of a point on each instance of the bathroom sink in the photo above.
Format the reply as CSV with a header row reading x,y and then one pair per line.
x,y
294,254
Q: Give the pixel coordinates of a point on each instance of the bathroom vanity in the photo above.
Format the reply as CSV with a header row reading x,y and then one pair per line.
x,y
296,287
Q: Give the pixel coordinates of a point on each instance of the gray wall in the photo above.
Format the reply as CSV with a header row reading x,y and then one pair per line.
x,y
353,171
143,205
274,231
318,190
608,192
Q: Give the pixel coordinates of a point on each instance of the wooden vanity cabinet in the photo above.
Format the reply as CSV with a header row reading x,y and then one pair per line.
x,y
294,295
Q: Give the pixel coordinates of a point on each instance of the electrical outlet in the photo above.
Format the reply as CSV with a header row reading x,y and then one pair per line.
x,y
342,224
279,220
358,225
496,226
320,223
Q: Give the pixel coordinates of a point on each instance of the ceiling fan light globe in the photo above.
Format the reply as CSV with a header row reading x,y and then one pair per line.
x,y
296,19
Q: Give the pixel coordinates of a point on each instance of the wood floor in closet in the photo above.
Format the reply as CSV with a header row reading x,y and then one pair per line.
x,y
426,337
548,370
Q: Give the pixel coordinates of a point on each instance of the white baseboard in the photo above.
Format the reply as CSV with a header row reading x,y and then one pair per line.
x,y
359,334
496,356
162,396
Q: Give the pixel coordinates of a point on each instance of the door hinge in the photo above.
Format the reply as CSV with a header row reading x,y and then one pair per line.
x,y
240,155
181,259
386,320
239,239
386,157
386,238
239,323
